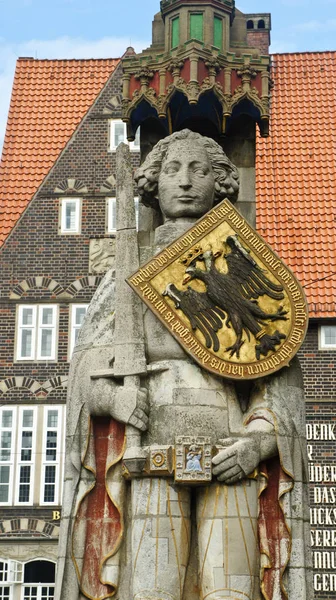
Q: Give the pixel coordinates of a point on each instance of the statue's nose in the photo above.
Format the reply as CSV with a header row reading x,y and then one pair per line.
x,y
185,180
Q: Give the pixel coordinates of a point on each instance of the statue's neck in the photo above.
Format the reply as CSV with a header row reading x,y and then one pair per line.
x,y
168,232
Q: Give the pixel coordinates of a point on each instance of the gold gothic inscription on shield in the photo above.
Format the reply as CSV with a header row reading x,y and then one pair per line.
x,y
226,297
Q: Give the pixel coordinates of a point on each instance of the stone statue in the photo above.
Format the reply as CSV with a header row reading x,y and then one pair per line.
x,y
241,536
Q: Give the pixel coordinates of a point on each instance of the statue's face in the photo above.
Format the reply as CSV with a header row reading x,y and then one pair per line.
x,y
186,182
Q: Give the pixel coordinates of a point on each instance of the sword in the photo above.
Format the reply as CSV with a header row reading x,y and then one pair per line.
x,y
129,340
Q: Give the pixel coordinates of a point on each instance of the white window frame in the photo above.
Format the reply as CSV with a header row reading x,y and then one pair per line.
x,y
53,463
74,327
9,463
37,328
39,585
14,574
133,146
10,587
111,214
21,328
25,463
322,343
63,204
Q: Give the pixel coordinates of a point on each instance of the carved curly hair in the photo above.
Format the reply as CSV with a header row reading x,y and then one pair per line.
x,y
226,174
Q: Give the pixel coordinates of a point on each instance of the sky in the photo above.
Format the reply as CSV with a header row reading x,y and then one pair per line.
x,y
104,28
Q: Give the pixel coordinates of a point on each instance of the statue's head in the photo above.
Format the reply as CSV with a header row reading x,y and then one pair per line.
x,y
185,175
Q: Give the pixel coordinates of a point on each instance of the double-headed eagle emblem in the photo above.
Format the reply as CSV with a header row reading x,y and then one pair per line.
x,y
230,299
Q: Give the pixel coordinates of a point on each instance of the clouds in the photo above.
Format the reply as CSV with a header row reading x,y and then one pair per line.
x,y
63,47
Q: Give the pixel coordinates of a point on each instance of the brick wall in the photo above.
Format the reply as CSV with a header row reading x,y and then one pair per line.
x,y
36,249
258,39
319,367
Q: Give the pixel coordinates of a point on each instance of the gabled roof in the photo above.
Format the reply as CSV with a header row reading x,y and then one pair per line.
x,y
296,165
296,174
49,99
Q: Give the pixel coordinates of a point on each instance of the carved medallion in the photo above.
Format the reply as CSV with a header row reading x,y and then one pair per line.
x,y
226,297
193,459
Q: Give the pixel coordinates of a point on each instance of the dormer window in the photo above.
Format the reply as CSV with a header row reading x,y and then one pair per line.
x,y
196,26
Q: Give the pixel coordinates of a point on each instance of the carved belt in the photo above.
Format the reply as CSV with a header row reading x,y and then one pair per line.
x,y
188,461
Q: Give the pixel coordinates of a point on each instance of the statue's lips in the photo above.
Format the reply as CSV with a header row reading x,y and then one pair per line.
x,y
186,198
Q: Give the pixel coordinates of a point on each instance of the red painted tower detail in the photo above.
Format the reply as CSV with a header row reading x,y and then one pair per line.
x,y
201,65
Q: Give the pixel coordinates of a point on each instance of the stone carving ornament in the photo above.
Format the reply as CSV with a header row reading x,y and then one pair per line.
x,y
214,505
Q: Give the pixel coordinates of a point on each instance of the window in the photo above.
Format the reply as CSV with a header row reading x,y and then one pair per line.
x,y
51,454
5,592
26,455
218,33
35,580
327,337
36,339
39,580
11,571
112,214
70,215
175,32
7,454
31,455
118,134
196,26
250,24
78,312
261,24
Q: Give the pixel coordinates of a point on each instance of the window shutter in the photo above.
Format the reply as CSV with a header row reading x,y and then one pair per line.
x,y
196,27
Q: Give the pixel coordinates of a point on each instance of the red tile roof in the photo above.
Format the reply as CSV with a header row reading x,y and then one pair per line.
x,y
296,174
296,165
49,99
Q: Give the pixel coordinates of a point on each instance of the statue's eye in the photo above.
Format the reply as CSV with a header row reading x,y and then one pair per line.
x,y
171,169
199,171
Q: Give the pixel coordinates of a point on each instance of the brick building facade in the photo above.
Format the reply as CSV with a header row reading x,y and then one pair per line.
x,y
55,251
49,272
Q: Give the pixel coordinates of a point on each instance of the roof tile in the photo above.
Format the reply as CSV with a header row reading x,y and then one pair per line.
x,y
49,99
296,184
295,168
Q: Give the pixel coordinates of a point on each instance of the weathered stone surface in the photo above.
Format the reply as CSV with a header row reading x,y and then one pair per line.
x,y
183,542
101,255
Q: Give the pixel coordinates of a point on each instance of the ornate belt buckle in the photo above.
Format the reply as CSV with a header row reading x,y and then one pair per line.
x,y
193,460
161,461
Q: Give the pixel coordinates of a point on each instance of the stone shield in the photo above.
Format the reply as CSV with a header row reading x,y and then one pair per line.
x,y
226,297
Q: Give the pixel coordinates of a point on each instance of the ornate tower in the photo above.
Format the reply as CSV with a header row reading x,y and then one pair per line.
x,y
207,69
200,67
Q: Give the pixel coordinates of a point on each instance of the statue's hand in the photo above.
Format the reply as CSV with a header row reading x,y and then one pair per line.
x,y
139,417
130,406
238,460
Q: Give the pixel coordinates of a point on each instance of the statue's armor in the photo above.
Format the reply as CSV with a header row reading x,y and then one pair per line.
x,y
185,399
